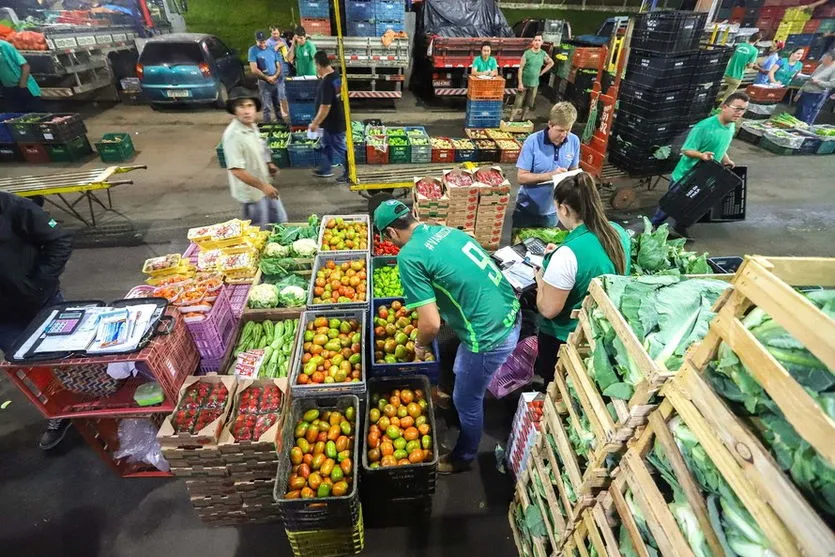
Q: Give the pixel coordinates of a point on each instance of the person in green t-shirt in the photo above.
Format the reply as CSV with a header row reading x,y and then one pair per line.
x,y
534,63
744,57
594,247
783,72
447,275
708,140
485,64
302,53
21,92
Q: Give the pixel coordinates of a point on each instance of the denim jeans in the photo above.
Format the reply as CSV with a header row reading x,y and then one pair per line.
x,y
809,106
472,375
333,151
264,212
660,216
270,100
524,219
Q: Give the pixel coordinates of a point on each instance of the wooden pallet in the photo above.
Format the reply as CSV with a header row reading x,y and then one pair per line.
x,y
782,512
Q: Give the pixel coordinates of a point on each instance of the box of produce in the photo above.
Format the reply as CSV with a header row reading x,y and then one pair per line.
x,y
339,280
60,128
460,186
465,150
201,412
385,279
784,138
416,132
516,127
442,150
290,249
400,151
288,292
400,456
117,147
165,265
265,346
316,486
509,150
384,247
376,150
345,233
257,415
476,133
429,192
375,131
491,180
331,354
238,265
24,129
488,151
394,333
827,135
495,134
221,235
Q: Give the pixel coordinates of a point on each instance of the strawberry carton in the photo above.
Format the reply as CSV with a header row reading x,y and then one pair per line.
x,y
203,407
256,418
491,179
460,184
429,192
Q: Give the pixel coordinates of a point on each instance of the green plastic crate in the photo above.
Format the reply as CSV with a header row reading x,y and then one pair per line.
x,y
281,158
221,156
111,150
400,154
769,145
71,151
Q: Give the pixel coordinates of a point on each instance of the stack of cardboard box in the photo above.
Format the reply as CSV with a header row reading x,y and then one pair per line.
x,y
491,211
463,202
430,211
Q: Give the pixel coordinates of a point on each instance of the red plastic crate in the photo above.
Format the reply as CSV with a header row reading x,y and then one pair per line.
x,y
452,61
812,26
587,57
320,27
443,155
737,14
767,26
773,12
766,94
374,155
168,358
34,153
102,434
825,11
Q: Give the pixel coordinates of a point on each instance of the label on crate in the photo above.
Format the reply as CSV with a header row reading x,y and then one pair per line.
x,y
64,42
120,37
86,40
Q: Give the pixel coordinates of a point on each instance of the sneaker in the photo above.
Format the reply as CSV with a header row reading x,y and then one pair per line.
x,y
328,174
54,433
453,466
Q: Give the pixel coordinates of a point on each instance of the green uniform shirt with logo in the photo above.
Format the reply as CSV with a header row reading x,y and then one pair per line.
x,y
744,55
592,261
708,135
533,65
482,65
443,265
304,58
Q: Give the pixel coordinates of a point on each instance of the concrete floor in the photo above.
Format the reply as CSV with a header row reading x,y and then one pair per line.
x,y
69,503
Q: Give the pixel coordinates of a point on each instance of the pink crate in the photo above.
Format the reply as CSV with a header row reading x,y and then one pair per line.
x,y
517,371
213,333
191,253
237,298
140,291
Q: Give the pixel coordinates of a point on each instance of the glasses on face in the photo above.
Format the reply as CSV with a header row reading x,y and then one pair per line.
x,y
737,108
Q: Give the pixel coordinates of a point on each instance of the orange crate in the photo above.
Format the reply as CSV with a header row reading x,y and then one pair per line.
x,y
375,155
485,89
587,57
766,94
320,27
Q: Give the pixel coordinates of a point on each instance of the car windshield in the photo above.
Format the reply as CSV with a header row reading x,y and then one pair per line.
x,y
158,53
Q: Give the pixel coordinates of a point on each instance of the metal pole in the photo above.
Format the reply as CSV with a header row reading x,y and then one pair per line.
x,y
346,105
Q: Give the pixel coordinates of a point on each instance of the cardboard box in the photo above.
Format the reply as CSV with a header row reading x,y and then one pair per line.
x,y
252,470
200,471
503,188
235,458
255,488
202,488
493,199
269,441
423,201
435,220
167,437
232,502
457,192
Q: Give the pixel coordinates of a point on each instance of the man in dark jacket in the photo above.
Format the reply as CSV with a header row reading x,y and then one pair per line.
x,y
33,252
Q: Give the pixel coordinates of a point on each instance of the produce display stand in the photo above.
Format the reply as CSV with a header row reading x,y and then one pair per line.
x,y
86,183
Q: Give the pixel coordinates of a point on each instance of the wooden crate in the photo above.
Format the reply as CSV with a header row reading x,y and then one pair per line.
x,y
556,500
527,547
779,508
613,503
591,476
587,534
252,313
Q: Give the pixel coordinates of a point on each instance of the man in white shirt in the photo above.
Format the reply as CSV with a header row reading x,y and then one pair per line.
x,y
249,162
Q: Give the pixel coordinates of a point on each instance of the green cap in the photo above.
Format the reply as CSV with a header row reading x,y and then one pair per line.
x,y
388,212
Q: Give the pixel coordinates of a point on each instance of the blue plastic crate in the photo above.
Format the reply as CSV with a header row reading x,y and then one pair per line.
x,y
361,28
304,156
359,10
383,26
466,155
302,113
301,89
484,108
429,369
6,135
389,10
482,121
320,9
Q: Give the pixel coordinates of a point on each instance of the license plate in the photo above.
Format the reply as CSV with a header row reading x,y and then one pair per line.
x,y
176,93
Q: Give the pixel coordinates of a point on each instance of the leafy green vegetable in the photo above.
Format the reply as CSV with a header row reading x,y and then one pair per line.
x,y
653,253
286,234
547,235
275,269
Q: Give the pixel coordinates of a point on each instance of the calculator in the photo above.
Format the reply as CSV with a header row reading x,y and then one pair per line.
x,y
535,246
65,323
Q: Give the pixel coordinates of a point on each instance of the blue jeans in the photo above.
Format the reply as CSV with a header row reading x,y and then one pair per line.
x,y
270,96
472,375
660,216
809,106
524,219
12,329
333,151
264,212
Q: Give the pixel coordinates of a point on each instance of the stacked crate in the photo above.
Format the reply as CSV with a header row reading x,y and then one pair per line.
x,y
491,211
463,202
794,20
670,84
483,113
315,17
42,138
301,96
373,18
523,431
360,18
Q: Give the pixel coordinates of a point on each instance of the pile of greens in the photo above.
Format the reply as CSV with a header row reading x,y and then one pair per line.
x,y
625,545
547,235
582,441
667,313
654,254
736,529
286,234
286,245
730,379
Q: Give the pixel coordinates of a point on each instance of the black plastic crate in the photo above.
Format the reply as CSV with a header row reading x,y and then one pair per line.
x,y
810,144
70,127
702,101
400,481
24,128
10,152
668,32
319,513
381,511
702,188
649,138
639,161
645,123
670,21
732,206
659,104
660,72
725,265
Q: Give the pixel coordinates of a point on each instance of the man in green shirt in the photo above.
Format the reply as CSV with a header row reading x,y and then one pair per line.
x,y
744,57
534,63
21,92
708,140
446,274
301,55
485,64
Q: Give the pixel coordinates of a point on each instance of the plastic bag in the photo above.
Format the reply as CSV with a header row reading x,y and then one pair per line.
x,y
138,443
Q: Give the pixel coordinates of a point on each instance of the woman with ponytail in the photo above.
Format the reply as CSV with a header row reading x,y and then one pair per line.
x,y
594,247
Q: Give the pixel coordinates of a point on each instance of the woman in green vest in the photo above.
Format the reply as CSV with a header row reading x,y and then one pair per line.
x,y
594,247
783,72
